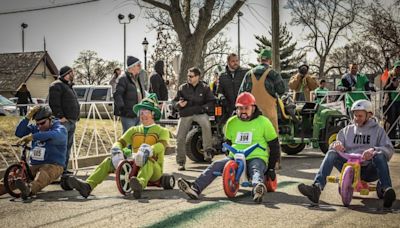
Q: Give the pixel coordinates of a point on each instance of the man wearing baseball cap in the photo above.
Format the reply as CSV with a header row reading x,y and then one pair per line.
x,y
265,84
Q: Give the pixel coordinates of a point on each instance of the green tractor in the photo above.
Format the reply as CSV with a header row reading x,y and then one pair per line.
x,y
307,123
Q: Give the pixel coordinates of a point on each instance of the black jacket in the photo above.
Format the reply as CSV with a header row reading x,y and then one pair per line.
x,y
23,97
63,101
157,83
126,95
229,86
199,99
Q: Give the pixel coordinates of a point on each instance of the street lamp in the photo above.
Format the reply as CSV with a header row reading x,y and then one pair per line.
x,y
239,14
120,18
145,44
23,27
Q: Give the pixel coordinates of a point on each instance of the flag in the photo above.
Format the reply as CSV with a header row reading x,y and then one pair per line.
x,y
385,75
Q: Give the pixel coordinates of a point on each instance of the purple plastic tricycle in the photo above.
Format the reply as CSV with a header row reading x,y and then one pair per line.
x,y
350,179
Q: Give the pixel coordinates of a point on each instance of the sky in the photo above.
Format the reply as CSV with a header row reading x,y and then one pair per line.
x,y
95,26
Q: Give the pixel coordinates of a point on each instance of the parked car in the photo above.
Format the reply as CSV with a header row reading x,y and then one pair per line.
x,y
7,107
101,95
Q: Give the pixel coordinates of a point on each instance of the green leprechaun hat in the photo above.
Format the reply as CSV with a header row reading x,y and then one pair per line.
x,y
150,103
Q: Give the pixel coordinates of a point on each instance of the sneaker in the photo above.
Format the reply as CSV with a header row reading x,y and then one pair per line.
x,y
136,187
181,167
258,192
81,186
24,188
188,188
389,197
311,191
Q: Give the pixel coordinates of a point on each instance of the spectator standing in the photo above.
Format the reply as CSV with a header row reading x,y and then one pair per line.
x,y
157,83
302,84
65,106
24,96
229,83
113,81
321,91
129,91
391,101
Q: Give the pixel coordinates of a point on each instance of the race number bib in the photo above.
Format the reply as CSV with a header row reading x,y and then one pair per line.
x,y
244,138
38,153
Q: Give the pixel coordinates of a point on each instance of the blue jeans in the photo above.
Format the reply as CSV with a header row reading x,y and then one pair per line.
x,y
377,169
255,170
70,126
128,122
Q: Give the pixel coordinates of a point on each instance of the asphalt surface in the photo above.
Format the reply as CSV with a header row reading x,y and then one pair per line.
x,y
171,208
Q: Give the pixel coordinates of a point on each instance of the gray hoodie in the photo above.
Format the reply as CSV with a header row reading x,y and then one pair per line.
x,y
370,135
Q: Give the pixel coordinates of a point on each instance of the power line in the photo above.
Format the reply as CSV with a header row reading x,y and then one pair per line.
x,y
48,7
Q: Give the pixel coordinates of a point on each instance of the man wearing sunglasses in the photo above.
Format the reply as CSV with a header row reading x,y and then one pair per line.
x,y
194,100
148,142
49,149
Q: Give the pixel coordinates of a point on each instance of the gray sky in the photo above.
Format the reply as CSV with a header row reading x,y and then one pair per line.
x,y
94,26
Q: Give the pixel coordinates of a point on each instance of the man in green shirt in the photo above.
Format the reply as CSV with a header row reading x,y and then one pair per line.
x,y
246,128
148,142
355,84
321,92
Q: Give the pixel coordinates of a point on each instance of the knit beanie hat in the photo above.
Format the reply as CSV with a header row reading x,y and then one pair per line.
x,y
65,70
132,61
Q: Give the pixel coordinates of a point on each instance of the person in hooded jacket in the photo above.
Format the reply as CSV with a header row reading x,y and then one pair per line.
x,y
157,83
302,84
365,137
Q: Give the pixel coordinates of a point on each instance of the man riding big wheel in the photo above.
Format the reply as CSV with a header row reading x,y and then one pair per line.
x,y
148,142
246,128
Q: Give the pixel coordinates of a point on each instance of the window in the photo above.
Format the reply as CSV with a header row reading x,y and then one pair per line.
x,y
99,95
80,92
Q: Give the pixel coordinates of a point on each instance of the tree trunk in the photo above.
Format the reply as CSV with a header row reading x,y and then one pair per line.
x,y
322,67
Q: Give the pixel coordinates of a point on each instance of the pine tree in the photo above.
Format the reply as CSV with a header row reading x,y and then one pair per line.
x,y
289,59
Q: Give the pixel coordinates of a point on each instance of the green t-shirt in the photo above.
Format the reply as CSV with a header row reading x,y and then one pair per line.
x,y
243,134
320,94
357,93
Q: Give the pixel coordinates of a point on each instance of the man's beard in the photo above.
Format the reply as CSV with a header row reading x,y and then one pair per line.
x,y
244,117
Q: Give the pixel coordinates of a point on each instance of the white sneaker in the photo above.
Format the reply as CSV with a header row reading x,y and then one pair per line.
x,y
258,192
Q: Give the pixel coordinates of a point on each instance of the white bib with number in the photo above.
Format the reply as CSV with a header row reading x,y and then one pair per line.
x,y
244,137
38,153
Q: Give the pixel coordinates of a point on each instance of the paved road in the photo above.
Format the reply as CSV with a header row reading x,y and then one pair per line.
x,y
158,208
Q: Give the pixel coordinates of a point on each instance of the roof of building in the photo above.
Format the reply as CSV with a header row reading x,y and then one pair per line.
x,y
16,68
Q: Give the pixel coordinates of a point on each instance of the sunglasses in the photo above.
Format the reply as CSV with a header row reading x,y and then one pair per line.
x,y
41,123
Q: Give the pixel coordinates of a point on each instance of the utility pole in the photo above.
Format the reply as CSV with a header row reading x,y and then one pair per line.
x,y
275,35
239,14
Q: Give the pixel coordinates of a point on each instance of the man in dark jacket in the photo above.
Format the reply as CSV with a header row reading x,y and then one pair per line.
x,y
128,92
157,83
229,83
194,100
65,105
